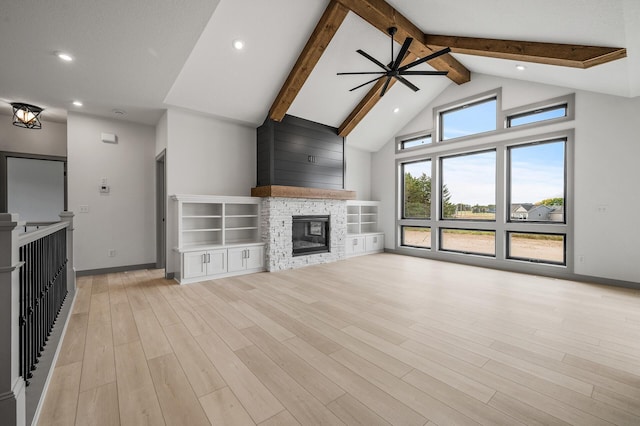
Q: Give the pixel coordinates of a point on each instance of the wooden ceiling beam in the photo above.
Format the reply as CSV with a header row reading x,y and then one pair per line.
x,y
368,102
567,55
326,28
382,15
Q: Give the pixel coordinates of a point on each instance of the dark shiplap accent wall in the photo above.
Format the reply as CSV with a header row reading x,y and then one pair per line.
x,y
284,151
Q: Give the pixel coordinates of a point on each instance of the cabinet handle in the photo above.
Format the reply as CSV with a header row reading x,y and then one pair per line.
x,y
208,257
248,254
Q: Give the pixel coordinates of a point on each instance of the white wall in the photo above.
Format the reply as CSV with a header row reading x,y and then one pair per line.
x,y
50,140
206,156
162,134
358,172
607,176
124,219
606,171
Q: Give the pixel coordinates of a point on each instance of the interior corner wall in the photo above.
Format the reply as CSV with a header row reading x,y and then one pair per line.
x,y
50,140
123,219
205,156
606,174
358,172
161,134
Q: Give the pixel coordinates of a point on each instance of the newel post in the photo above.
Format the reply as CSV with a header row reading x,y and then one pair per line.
x,y
71,270
12,385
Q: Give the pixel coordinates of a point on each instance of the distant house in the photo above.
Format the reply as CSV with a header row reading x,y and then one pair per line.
x,y
533,212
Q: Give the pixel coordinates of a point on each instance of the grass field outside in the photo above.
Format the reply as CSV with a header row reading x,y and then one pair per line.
x,y
543,247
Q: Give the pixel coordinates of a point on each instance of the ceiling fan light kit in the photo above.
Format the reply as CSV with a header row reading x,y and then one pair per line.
x,y
393,69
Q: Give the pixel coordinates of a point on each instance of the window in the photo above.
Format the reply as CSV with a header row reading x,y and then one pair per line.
x,y
416,189
469,241
537,182
469,119
415,142
537,115
536,247
416,236
503,200
469,186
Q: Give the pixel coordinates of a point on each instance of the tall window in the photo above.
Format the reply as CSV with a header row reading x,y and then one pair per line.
x,y
469,186
416,189
537,182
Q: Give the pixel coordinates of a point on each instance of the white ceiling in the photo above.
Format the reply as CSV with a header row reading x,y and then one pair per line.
x,y
127,53
143,56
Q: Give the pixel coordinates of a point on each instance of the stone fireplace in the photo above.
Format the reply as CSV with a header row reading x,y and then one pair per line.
x,y
277,217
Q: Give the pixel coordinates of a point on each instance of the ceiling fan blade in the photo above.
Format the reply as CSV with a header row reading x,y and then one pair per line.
x,y
408,83
372,59
364,84
425,59
423,72
385,86
403,52
357,73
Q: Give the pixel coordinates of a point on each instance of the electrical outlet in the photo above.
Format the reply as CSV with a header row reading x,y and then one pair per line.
x,y
581,259
84,209
112,253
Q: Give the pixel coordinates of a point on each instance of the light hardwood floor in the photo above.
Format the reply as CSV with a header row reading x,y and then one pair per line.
x,y
380,339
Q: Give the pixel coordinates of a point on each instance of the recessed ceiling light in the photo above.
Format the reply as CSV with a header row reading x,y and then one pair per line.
x,y
64,56
396,110
77,103
238,44
520,67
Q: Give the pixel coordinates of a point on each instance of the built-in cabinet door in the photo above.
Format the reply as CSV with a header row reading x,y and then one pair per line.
x,y
216,262
255,257
375,242
355,245
235,259
194,264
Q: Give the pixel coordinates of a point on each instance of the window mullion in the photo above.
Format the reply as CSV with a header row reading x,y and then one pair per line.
x,y
501,196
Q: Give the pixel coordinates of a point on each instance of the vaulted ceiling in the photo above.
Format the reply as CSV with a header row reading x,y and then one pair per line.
x,y
145,56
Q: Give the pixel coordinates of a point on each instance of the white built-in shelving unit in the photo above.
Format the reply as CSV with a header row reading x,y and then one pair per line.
x,y
363,235
217,236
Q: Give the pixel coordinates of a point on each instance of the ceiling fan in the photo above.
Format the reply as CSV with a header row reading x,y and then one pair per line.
x,y
394,70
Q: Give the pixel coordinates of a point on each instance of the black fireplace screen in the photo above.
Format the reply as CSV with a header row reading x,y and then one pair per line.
x,y
310,235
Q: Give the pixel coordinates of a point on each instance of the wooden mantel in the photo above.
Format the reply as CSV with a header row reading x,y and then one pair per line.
x,y
302,192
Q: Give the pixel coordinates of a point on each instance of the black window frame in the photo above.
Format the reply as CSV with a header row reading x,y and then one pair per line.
x,y
402,188
532,260
508,182
402,243
511,117
413,139
441,185
448,228
442,113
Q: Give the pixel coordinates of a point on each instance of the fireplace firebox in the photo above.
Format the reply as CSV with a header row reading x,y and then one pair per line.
x,y
311,235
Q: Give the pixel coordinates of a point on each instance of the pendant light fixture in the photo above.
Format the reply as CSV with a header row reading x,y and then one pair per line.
x,y
27,116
